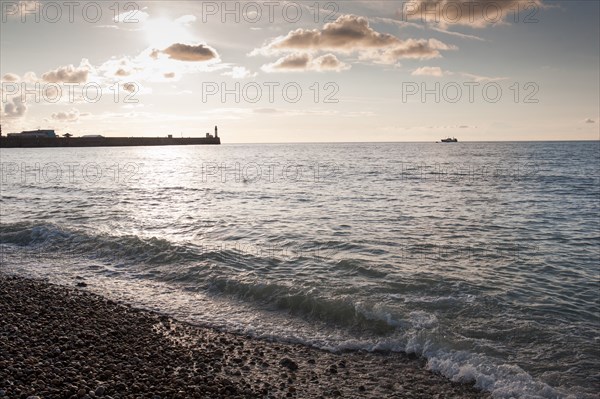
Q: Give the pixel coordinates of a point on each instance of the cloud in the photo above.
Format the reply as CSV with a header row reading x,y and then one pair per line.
x,y
239,72
411,48
352,34
151,65
266,111
69,73
186,20
15,107
589,120
428,71
458,34
10,77
310,112
438,128
130,87
186,52
69,116
348,33
131,17
299,62
30,77
479,78
404,24
329,62
397,22
476,14
118,68
122,72
289,63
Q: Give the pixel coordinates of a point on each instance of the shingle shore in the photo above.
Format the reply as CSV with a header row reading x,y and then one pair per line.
x,y
63,342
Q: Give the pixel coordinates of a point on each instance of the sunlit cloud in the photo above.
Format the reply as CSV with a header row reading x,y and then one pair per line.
x,y
186,20
69,73
15,107
352,34
130,87
479,78
428,71
67,116
131,17
10,77
154,65
239,72
299,62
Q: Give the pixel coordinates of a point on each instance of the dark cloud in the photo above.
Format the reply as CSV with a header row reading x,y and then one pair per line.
x,y
186,52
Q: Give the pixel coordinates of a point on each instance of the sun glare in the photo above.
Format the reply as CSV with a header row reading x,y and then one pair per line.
x,y
162,32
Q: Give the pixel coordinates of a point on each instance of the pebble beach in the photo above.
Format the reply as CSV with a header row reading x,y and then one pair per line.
x,y
64,342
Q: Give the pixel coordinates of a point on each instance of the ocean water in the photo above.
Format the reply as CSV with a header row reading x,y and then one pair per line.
x,y
482,257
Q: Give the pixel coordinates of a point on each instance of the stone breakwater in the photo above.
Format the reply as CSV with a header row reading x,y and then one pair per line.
x,y
64,342
43,142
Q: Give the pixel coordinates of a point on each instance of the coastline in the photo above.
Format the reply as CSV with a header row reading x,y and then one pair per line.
x,y
75,142
64,342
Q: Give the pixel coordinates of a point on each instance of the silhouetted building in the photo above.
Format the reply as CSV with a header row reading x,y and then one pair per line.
x,y
34,134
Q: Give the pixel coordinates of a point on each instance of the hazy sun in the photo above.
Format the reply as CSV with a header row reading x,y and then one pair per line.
x,y
162,32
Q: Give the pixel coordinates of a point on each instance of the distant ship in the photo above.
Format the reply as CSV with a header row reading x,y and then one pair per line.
x,y
450,140
49,138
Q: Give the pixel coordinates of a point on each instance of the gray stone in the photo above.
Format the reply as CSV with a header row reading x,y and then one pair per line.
x,y
289,363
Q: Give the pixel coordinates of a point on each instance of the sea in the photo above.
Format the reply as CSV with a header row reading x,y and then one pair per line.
x,y
482,257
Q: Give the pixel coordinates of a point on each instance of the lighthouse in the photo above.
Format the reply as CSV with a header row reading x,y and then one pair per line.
x,y
216,133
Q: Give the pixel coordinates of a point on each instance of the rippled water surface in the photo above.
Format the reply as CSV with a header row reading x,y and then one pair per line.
x,y
483,257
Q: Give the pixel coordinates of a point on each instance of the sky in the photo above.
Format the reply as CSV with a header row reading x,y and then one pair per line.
x,y
314,71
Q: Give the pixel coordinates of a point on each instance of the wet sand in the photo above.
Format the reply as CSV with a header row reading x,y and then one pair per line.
x,y
64,342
